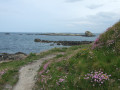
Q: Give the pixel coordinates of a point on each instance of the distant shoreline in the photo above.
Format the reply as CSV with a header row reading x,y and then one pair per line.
x,y
53,34
62,34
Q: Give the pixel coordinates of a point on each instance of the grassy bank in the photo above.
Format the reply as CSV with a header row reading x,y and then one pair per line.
x,y
78,71
9,70
95,67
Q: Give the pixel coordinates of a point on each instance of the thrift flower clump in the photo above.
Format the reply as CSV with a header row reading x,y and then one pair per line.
x,y
61,80
97,78
2,72
45,68
109,39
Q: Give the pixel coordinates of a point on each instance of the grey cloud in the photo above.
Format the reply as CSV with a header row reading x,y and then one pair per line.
x,y
73,0
94,6
115,1
97,23
103,16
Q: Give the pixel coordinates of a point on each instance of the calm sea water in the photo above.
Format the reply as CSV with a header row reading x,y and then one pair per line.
x,y
22,42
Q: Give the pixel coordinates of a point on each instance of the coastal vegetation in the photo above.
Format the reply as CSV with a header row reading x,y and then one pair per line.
x,y
9,70
84,67
92,67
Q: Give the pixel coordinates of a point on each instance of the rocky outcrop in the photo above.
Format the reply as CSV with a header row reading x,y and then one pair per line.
x,y
20,34
37,40
7,33
16,56
88,34
65,43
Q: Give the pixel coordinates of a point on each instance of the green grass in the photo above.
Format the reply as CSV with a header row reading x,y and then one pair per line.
x,y
12,67
75,68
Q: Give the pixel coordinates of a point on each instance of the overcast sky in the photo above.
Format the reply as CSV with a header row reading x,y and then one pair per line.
x,y
73,16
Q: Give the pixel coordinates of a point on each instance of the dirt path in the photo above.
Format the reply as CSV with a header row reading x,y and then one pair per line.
x,y
27,74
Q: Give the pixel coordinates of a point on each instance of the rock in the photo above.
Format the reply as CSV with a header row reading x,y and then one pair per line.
x,y
58,43
20,53
29,34
37,40
65,43
8,87
16,56
20,34
7,33
43,41
88,33
119,87
51,44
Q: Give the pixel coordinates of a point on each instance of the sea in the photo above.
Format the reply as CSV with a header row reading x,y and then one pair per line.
x,y
24,42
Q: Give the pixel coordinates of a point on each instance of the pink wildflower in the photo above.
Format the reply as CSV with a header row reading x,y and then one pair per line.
x,y
97,77
61,80
46,65
57,83
41,72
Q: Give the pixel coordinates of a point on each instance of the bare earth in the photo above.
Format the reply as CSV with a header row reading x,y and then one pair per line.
x,y
27,74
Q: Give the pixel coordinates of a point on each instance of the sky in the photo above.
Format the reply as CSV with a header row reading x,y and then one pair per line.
x,y
60,16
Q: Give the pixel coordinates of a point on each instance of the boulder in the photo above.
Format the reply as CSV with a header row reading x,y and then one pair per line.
x,y
20,53
88,33
7,33
58,44
37,40
51,44
16,56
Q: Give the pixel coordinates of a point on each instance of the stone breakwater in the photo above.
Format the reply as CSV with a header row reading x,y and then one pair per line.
x,y
65,43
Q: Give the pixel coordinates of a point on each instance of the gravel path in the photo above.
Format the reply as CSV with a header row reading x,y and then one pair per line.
x,y
27,74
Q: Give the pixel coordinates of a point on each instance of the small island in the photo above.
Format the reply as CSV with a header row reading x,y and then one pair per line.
x,y
87,34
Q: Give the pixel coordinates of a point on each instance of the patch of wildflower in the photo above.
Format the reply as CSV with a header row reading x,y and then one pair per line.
x,y
97,44
61,80
97,78
44,78
109,29
110,42
45,68
110,37
2,72
46,65
91,55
